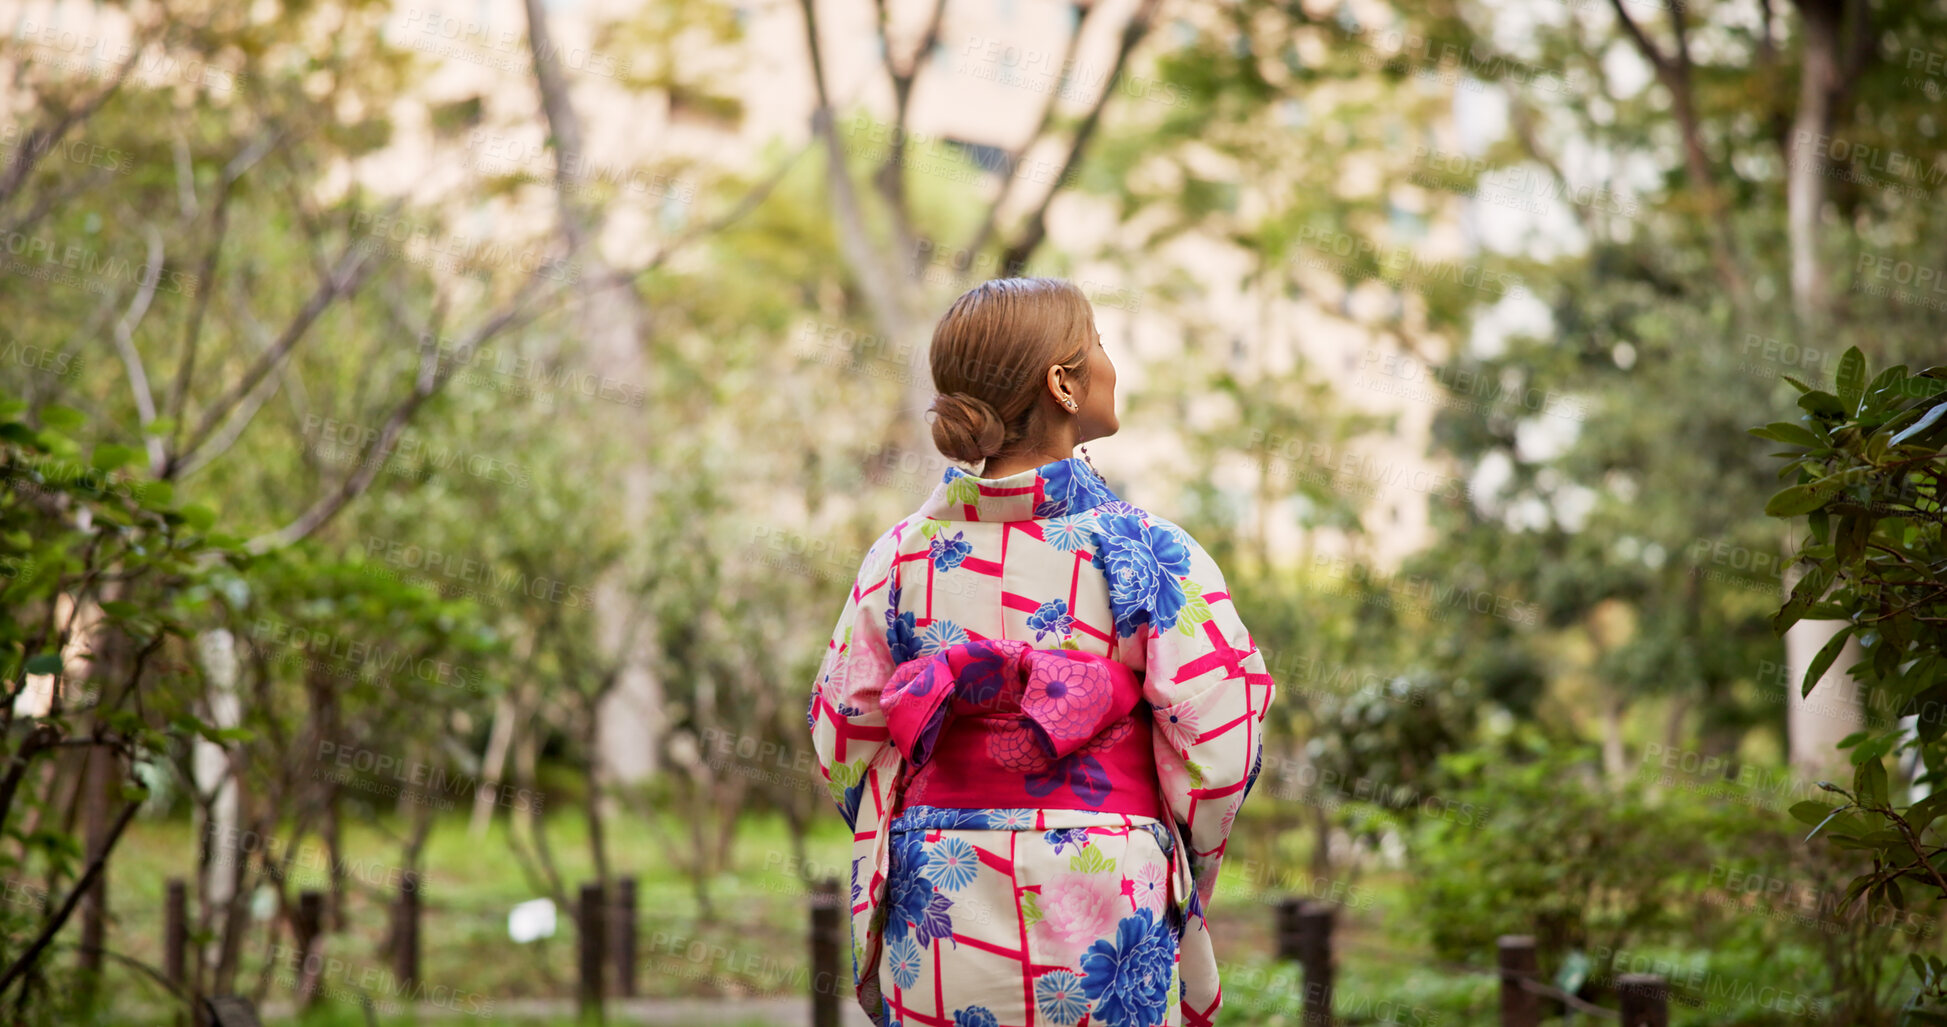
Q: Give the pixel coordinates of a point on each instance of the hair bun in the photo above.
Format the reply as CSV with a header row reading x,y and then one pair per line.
x,y
966,428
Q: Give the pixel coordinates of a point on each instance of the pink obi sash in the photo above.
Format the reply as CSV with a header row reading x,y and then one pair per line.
x,y
1000,724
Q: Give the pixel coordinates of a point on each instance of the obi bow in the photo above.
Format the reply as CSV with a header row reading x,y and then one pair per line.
x,y
1065,697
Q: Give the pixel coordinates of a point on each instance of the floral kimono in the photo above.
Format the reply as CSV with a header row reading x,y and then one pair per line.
x,y
1065,901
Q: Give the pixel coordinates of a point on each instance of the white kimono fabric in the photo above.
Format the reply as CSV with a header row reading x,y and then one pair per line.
x,y
1058,915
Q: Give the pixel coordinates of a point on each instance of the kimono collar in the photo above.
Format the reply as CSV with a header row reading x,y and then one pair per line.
x,y
1057,489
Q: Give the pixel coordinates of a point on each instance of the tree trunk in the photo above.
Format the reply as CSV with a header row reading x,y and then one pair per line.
x,y
611,327
1813,727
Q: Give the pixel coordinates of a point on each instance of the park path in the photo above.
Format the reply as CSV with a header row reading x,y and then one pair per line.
x,y
781,1011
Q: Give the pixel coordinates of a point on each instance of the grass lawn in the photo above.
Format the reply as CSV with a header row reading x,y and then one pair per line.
x,y
756,945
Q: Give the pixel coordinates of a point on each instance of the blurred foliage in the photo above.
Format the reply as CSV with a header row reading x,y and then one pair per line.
x,y
1866,468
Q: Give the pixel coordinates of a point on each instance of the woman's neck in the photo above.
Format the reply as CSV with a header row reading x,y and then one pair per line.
x,y
1008,464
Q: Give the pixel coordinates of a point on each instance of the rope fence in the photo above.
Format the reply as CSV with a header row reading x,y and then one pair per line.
x,y
606,951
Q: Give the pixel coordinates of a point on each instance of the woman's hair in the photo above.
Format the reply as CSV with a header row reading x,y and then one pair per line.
x,y
990,357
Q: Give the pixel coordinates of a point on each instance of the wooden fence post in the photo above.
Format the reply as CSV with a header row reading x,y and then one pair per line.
x,y
826,937
621,936
1287,934
1305,931
1645,1000
405,932
175,938
309,928
1519,1006
591,933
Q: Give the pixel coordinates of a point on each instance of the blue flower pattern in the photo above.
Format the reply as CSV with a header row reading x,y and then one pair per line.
x,y
913,907
1070,487
1145,564
902,637
1051,618
948,552
974,1016
1128,979
1122,980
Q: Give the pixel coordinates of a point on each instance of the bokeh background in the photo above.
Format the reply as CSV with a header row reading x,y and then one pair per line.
x,y
438,438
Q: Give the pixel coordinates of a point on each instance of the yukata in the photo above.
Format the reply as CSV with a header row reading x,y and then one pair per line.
x,y
1039,714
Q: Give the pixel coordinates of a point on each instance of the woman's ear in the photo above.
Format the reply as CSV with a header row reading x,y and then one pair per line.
x,y
1058,387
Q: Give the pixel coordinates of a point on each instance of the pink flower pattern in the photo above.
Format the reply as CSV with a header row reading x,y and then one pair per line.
x,y
1077,908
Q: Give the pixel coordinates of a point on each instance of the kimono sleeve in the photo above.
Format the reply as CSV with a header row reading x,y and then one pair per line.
x,y
1207,685
848,728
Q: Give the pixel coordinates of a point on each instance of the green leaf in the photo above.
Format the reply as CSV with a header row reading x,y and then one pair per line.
x,y
1851,382
1030,908
1796,384
1091,861
1823,404
1929,420
1870,782
1834,815
118,608
155,495
199,516
110,457
1802,499
61,419
1820,663
1922,814
1797,435
1811,812
45,663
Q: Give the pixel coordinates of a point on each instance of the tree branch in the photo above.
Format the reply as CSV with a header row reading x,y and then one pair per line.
x,y
138,379
1036,230
81,887
344,279
985,232
426,383
891,179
